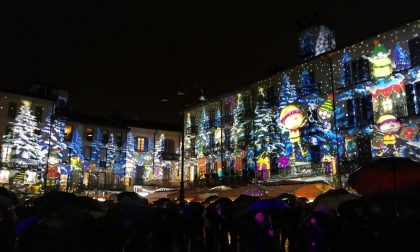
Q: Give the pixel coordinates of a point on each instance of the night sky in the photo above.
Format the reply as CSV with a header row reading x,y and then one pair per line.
x,y
122,58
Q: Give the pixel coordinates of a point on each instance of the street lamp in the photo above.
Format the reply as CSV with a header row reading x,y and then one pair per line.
x,y
181,94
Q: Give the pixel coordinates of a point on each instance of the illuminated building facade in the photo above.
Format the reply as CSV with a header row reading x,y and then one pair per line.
x,y
317,120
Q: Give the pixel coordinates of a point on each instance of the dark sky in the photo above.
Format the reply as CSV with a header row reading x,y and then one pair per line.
x,y
118,57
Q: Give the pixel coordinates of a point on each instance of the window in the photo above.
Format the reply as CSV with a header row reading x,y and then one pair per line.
x,y
414,47
87,152
102,157
141,144
271,96
413,98
89,134
105,136
119,139
12,110
66,156
356,71
68,130
38,114
169,146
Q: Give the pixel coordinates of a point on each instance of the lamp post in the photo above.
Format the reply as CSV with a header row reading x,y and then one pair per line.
x,y
181,94
181,186
49,147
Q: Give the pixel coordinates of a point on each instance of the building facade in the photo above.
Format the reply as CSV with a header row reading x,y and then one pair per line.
x,y
73,152
318,120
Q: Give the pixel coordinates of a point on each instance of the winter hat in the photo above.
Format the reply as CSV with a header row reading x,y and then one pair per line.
x,y
288,111
327,105
379,49
386,119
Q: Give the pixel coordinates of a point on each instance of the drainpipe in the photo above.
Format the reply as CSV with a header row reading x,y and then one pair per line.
x,y
154,150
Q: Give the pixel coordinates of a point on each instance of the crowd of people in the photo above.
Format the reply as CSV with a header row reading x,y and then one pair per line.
x,y
59,221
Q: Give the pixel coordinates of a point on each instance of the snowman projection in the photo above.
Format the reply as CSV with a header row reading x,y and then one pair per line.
x,y
388,126
325,113
292,119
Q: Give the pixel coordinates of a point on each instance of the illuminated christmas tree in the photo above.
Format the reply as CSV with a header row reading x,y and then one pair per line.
x,y
158,161
52,140
76,153
217,118
263,135
400,58
128,158
96,146
287,91
309,92
111,147
238,127
22,139
203,139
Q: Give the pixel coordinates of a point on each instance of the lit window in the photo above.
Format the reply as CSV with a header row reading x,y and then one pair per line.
x,y
141,144
387,105
68,129
89,134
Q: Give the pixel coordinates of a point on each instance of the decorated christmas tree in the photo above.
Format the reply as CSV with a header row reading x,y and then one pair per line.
x,y
158,161
287,91
128,158
238,127
400,58
217,118
309,92
22,139
96,146
263,135
344,61
203,139
52,140
111,147
76,154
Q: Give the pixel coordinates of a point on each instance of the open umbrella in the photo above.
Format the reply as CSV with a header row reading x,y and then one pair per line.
x,y
392,175
267,205
311,191
333,197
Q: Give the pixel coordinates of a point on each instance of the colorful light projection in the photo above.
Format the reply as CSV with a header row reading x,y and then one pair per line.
x,y
292,119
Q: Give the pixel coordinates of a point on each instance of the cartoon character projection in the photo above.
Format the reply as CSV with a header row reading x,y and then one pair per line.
x,y
381,62
53,165
388,126
292,119
325,113
388,93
